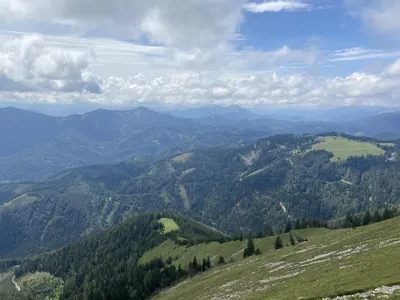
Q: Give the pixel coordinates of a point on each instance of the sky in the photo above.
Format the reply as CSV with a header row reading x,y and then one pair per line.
x,y
162,53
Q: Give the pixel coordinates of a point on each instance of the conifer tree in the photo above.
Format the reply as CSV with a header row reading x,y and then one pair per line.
x,y
208,262
278,243
221,260
367,218
292,241
297,224
258,251
250,246
288,227
376,218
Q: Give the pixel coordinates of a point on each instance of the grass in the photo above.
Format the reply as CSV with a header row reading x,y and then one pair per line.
x,y
182,158
343,148
21,200
186,172
255,173
184,196
331,263
165,196
169,225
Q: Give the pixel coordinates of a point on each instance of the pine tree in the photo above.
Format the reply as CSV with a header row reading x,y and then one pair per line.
x,y
278,243
386,214
376,218
208,262
250,246
204,265
268,231
221,260
258,251
292,241
288,227
367,218
297,225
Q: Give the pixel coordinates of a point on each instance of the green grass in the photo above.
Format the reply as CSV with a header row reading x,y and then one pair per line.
x,y
336,262
169,225
186,172
182,158
21,200
184,196
343,148
255,173
165,196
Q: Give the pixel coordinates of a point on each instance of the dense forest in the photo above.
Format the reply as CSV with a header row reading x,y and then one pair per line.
x,y
105,265
235,190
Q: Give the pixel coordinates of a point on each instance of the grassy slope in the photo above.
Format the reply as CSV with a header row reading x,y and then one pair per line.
x,y
332,262
342,148
169,225
21,200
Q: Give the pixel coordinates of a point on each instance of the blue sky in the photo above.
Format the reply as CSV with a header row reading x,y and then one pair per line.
x,y
269,53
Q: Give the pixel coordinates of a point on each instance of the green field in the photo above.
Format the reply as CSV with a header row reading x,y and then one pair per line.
x,y
343,148
169,225
182,158
21,200
184,196
331,263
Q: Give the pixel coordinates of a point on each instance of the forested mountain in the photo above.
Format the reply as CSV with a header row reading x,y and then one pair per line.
x,y
232,189
34,146
106,265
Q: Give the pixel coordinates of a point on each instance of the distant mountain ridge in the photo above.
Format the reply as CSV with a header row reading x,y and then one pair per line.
x,y
236,189
34,146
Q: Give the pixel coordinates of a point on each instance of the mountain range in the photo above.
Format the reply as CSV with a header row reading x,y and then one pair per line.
x,y
35,146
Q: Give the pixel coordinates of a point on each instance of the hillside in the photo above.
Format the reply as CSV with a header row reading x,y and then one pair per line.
x,y
331,263
105,266
35,146
145,259
231,189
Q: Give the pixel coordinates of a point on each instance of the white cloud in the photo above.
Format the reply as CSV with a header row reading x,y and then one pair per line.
x,y
107,72
28,64
183,24
275,6
358,53
379,15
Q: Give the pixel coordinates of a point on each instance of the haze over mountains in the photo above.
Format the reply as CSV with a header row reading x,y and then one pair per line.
x,y
35,146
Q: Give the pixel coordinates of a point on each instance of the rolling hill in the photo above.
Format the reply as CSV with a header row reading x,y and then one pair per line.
x,y
144,258
232,189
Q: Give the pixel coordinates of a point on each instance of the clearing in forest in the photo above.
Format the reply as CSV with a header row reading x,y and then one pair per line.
x,y
169,225
342,148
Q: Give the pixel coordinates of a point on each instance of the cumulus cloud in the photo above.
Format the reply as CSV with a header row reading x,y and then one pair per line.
x,y
380,15
183,24
275,6
26,64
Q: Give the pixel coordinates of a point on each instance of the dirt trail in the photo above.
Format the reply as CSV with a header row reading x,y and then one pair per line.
x,y
16,284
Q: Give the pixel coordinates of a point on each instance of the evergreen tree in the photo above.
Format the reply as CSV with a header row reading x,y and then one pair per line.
x,y
367,218
250,246
386,214
221,260
258,251
208,262
268,231
204,265
297,224
288,227
292,241
278,243
376,218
